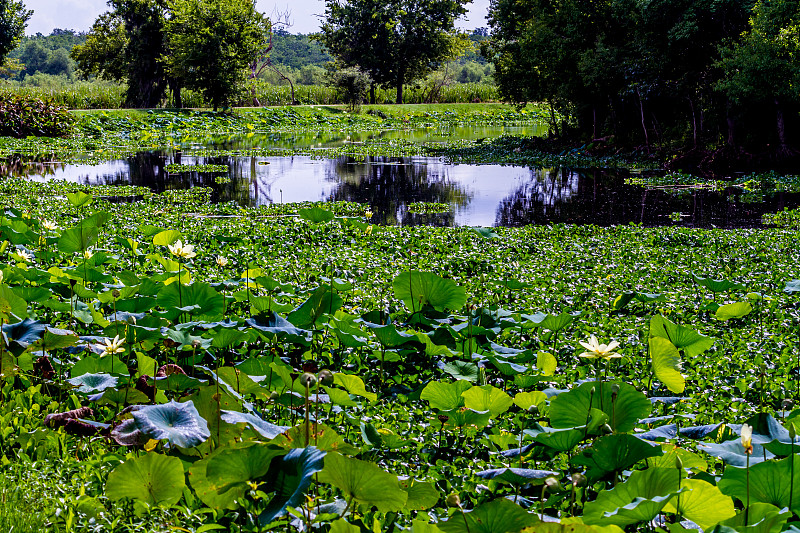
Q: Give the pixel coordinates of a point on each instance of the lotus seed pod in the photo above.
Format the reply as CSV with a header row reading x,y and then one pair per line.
x,y
326,377
787,404
453,500
308,380
443,419
552,484
533,409
115,293
579,480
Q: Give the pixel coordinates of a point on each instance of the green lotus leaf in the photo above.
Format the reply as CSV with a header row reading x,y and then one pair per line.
x,y
354,385
152,478
734,310
487,398
792,286
228,472
639,499
93,382
316,214
167,237
78,198
418,289
263,428
210,303
289,478
704,504
715,285
497,516
524,400
760,518
179,423
686,339
570,409
517,475
364,482
614,453
322,301
552,322
462,371
770,482
421,495
445,396
571,525
667,364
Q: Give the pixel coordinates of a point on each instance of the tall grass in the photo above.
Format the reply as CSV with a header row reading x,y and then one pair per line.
x,y
104,95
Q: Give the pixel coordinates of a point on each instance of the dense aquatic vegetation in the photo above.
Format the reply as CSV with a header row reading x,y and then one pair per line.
x,y
171,363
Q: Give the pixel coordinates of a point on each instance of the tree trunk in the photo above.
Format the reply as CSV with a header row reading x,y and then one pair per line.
x,y
400,77
780,124
177,101
644,124
731,125
372,93
694,121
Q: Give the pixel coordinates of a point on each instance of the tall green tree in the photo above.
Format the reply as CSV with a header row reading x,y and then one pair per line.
x,y
127,43
13,19
394,41
212,44
763,68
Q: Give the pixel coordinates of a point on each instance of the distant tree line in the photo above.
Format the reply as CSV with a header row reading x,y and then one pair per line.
x,y
658,73
48,54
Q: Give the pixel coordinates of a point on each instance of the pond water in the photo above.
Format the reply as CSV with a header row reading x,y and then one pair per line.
x,y
478,195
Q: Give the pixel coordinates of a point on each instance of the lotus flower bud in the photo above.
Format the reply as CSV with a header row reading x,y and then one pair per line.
x,y
552,484
579,480
787,404
115,293
533,409
792,432
308,380
453,500
606,429
326,377
274,395
678,462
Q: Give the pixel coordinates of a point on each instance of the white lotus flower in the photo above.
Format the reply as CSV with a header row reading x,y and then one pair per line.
x,y
599,351
180,250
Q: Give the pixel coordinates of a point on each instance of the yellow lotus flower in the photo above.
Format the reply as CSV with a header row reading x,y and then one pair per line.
x,y
181,250
113,346
368,214
368,231
599,351
222,261
747,438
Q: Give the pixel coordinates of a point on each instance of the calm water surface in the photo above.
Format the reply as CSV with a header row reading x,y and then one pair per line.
x,y
479,195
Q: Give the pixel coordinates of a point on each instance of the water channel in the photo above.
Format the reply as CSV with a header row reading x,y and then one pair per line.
x,y
478,195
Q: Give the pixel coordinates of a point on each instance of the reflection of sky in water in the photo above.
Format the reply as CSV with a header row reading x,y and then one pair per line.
x,y
479,195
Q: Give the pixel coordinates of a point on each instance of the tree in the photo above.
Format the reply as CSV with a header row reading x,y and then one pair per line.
x,y
128,43
212,44
764,67
13,19
394,41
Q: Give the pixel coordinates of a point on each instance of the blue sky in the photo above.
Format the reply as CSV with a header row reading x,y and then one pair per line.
x,y
80,14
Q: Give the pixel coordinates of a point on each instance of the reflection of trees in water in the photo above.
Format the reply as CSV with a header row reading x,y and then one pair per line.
x,y
21,166
389,184
601,197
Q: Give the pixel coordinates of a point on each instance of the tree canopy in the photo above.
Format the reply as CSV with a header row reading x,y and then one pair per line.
x,y
212,43
154,45
652,73
394,41
13,19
